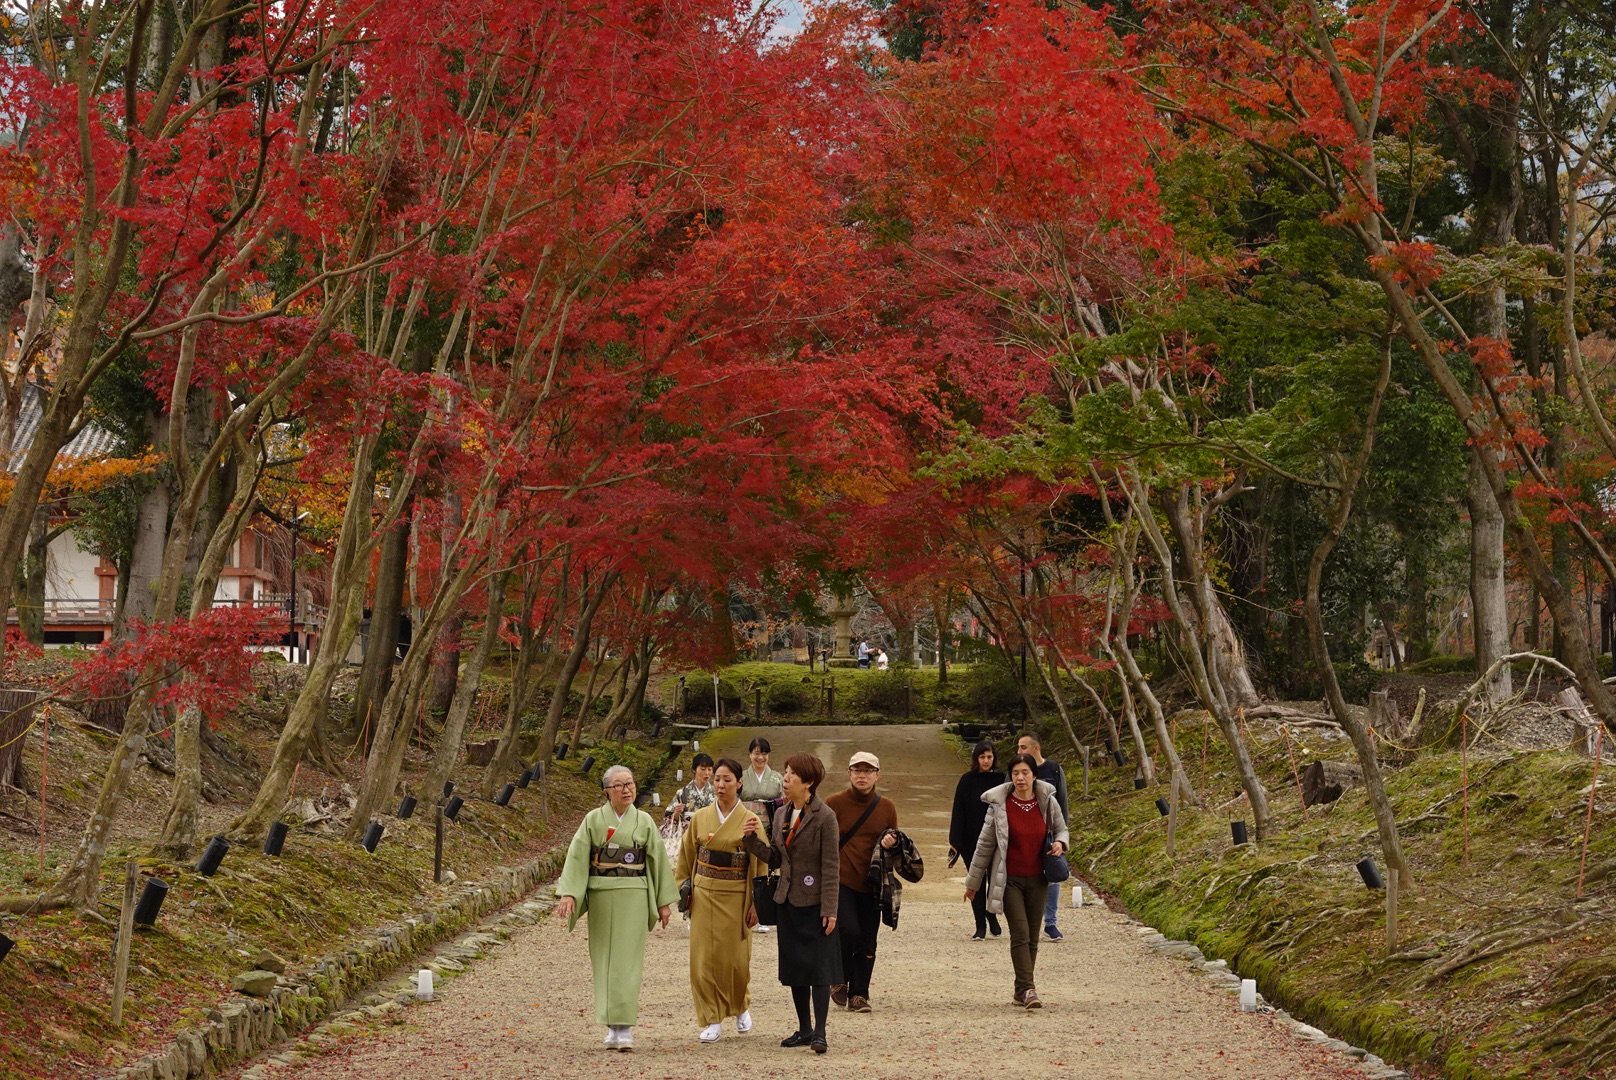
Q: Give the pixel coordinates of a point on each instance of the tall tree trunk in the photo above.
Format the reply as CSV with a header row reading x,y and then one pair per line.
x,y
465,695
348,579
575,658
1489,598
381,645
36,565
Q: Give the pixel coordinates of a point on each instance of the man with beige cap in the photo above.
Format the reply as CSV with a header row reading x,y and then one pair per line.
x,y
865,819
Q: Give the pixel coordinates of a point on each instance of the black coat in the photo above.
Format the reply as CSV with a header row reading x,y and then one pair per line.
x,y
965,826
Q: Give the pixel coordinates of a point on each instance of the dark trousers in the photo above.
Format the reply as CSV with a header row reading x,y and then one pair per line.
x,y
858,918
979,908
1024,912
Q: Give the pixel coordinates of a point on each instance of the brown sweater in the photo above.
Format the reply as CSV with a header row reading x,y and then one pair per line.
x,y
849,805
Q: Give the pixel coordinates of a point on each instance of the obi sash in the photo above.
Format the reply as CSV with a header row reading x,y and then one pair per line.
x,y
615,860
721,865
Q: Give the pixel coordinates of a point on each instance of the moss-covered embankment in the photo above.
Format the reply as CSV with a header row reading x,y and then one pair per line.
x,y
1501,970
315,900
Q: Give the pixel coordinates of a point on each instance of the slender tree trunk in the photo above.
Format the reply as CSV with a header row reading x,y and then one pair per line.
x,y
454,723
575,658
381,645
1489,598
348,574
1362,740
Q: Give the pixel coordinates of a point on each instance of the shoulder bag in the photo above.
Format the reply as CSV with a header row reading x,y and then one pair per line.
x,y
1056,868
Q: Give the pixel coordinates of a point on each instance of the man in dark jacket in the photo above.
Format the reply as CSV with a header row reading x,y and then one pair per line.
x,y
1051,773
865,820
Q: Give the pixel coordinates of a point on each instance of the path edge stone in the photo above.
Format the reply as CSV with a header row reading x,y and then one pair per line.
x,y
239,1028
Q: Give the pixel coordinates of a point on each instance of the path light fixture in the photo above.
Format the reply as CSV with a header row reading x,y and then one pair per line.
x,y
561,752
406,807
373,836
656,798
504,796
1139,783
150,902
1370,875
276,838
1238,828
1119,757
448,788
1110,745
525,779
5,946
1161,804
212,856
451,810
588,763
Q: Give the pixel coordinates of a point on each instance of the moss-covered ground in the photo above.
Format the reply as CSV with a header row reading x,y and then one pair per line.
x,y
322,892
1501,970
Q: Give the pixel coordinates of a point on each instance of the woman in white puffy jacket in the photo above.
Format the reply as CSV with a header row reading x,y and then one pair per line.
x,y
1024,823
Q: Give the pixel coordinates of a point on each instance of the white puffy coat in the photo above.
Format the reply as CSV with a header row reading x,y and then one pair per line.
x,y
994,843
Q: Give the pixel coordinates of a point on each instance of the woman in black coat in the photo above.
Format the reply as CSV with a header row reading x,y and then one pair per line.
x,y
966,824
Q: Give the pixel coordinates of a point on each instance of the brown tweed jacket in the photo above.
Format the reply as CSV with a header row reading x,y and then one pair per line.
x,y
810,867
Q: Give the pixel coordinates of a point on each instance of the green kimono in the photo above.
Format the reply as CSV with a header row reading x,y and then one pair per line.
x,y
621,910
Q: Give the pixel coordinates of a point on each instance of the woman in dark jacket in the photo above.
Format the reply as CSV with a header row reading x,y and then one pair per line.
x,y
965,827
805,848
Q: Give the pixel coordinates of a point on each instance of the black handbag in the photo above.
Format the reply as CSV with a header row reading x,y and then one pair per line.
x,y
1056,868
687,889
768,912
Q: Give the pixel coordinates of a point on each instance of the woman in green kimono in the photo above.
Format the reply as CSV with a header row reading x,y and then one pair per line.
x,y
617,872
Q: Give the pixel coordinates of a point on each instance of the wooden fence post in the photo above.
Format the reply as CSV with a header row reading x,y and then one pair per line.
x,y
126,930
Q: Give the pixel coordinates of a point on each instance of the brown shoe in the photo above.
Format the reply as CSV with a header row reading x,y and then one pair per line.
x,y
859,1004
1019,1002
1030,999
838,994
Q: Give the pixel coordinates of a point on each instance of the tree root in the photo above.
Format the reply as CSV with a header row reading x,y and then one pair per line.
x,y
1494,945
32,905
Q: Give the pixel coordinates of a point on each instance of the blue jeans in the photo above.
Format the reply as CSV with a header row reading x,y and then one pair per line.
x,y
1052,905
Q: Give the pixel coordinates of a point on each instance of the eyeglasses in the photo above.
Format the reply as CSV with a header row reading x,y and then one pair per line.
x,y
621,785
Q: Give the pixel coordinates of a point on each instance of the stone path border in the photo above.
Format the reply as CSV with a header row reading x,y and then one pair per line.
x,y
243,1026
1224,978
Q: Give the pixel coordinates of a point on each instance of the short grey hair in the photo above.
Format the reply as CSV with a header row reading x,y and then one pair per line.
x,y
606,777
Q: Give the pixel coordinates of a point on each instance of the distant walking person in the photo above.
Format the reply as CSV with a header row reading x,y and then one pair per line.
x,y
762,789
1050,773
1009,864
863,819
804,850
714,860
617,873
699,792
965,825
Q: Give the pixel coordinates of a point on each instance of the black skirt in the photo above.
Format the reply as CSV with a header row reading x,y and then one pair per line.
x,y
808,955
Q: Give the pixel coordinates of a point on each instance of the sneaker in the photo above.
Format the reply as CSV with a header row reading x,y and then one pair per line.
x,y
625,1038
983,936
610,1042
993,926
711,1032
838,995
858,1003
1030,999
1053,933
743,1022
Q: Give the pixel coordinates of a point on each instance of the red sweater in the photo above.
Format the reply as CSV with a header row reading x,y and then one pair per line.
x,y
1025,857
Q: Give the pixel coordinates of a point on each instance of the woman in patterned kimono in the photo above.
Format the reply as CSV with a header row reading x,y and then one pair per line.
x,y
713,858
617,872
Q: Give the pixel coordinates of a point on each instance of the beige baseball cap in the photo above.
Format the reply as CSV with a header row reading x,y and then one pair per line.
x,y
864,757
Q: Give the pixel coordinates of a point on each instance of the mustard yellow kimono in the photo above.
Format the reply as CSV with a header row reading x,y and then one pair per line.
x,y
621,910
720,940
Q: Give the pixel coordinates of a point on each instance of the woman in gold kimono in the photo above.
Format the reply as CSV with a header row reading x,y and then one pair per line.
x,y
713,859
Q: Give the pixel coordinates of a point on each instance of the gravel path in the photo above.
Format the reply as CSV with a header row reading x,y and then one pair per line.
x,y
941,1002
